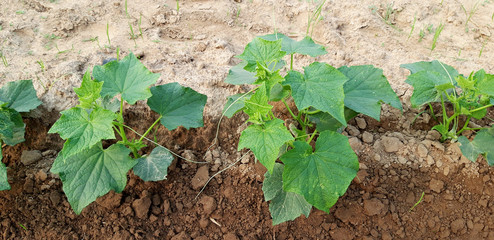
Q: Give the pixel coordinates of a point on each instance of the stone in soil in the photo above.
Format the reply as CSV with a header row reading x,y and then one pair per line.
x,y
110,200
373,207
200,179
391,144
208,204
30,157
436,185
141,207
367,137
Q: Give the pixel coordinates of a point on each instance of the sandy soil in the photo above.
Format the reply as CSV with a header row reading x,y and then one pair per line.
x,y
53,43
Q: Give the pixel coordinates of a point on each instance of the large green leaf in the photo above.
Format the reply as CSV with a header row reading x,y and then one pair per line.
x,y
89,91
427,86
324,121
284,206
433,66
321,176
235,103
11,126
305,46
263,52
178,106
238,75
265,141
321,87
4,181
128,77
366,89
155,166
482,144
82,130
20,95
93,173
484,83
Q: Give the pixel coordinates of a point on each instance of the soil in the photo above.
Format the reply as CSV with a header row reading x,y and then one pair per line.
x,y
401,160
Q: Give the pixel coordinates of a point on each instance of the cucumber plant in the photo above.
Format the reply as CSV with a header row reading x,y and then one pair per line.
x,y
470,97
15,98
86,169
325,99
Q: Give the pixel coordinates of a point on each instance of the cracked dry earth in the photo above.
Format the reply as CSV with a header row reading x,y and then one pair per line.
x,y
400,159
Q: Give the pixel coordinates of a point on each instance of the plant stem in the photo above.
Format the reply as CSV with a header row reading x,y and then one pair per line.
x,y
432,112
291,61
464,126
149,129
291,113
445,115
481,108
122,130
312,137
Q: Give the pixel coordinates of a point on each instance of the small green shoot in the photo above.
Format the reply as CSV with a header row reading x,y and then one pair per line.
x,y
421,35
22,226
470,14
126,12
19,12
178,7
93,39
139,26
418,202
132,35
108,34
4,59
41,65
314,18
413,26
436,36
483,46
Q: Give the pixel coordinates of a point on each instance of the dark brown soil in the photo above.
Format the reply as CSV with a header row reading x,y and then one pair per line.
x,y
377,205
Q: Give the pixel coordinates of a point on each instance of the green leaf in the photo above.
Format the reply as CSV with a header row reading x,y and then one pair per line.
x,y
234,104
11,126
89,91
82,130
238,75
321,176
265,141
20,95
324,121
484,83
93,173
482,144
320,87
366,89
305,46
434,66
179,106
262,51
257,106
155,166
4,181
424,87
128,77
284,206
279,92
110,103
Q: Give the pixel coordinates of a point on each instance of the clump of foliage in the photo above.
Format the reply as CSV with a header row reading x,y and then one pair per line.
x,y
469,96
86,169
15,98
325,98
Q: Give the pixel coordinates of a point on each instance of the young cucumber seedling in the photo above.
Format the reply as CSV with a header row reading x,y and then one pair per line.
x,y
469,96
15,97
89,171
325,99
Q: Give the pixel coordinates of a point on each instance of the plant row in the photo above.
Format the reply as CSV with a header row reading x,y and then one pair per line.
x,y
309,162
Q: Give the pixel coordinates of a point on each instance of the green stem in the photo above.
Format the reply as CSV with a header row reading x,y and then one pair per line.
x,y
464,126
291,113
313,112
312,137
432,112
445,115
122,130
481,108
150,128
291,61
